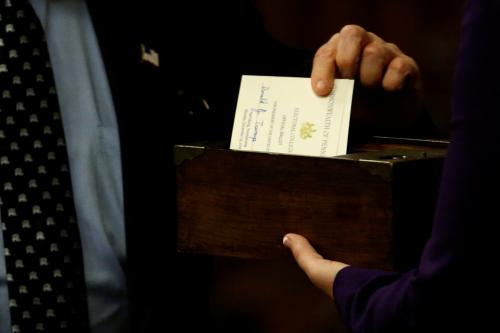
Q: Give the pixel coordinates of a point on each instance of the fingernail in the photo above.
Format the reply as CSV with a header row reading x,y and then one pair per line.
x,y
320,85
285,240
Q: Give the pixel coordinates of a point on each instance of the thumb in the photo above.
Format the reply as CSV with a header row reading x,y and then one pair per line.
x,y
320,271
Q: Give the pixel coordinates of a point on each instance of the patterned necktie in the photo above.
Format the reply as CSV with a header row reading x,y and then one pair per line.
x,y
42,252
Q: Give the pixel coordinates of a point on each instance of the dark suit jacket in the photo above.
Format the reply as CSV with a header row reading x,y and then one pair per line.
x,y
203,49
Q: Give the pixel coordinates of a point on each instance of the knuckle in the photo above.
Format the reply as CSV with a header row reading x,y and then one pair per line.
x,y
352,30
334,38
393,47
400,66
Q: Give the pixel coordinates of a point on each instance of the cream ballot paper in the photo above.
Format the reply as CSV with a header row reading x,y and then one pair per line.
x,y
284,115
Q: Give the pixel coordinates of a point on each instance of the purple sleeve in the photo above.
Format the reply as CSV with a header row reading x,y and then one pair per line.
x,y
449,289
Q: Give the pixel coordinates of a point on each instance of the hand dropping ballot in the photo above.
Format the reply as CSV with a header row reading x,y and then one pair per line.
x,y
284,115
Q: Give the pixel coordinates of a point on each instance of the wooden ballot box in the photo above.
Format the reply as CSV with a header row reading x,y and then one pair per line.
x,y
372,207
